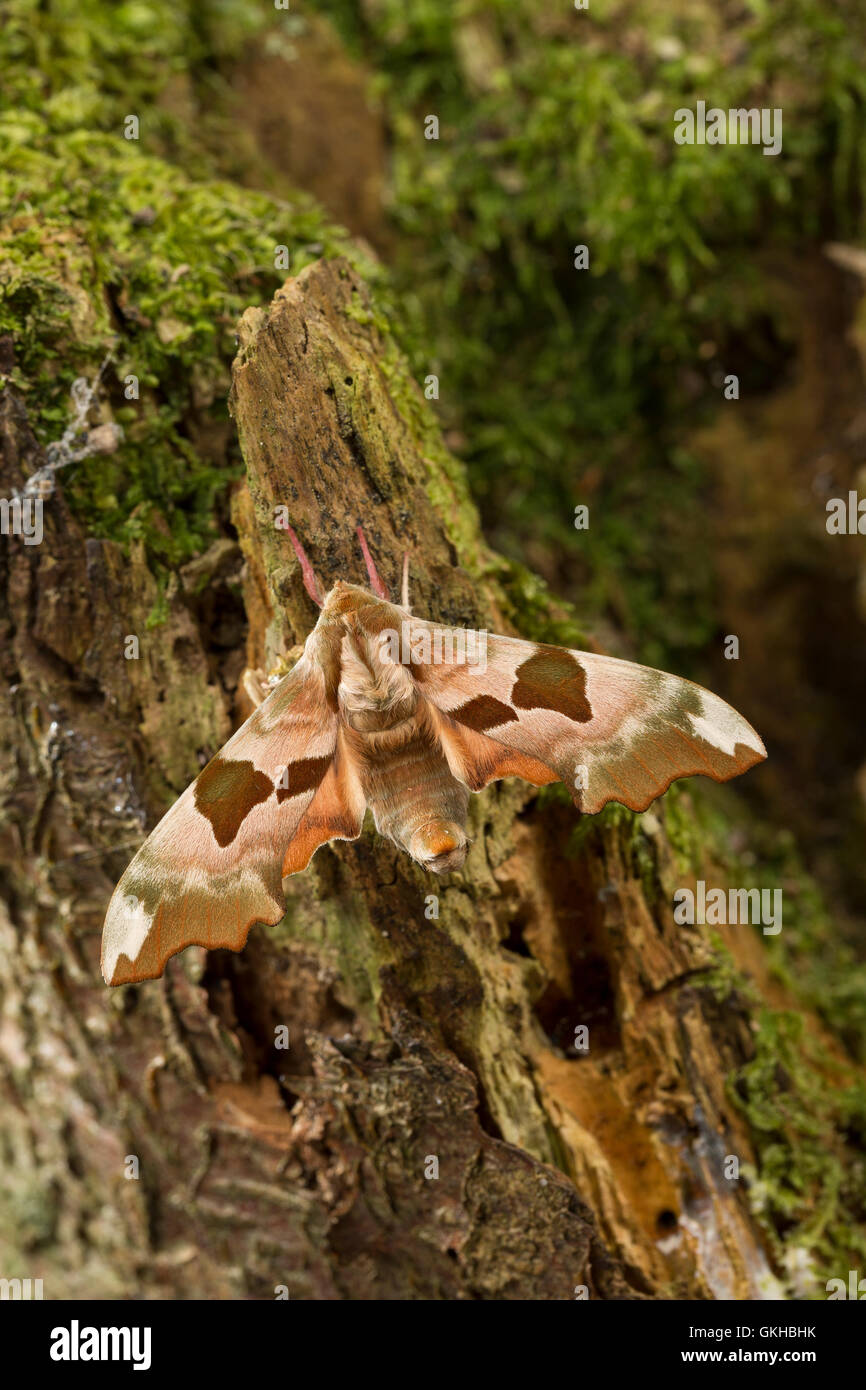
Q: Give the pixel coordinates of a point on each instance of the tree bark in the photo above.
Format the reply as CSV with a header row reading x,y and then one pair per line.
x,y
431,1131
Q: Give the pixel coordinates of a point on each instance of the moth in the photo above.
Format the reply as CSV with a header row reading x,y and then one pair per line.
x,y
388,711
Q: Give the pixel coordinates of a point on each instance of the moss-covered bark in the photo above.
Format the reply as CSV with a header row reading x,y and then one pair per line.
x,y
411,1036
257,1168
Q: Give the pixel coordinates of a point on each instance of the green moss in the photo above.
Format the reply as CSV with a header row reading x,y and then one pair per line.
x,y
619,835
566,386
724,979
111,246
28,1221
534,612
805,1108
810,955
336,922
79,65
575,386
126,255
806,1113
681,827
158,613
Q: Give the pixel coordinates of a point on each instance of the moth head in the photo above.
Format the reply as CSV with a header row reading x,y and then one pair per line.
x,y
440,846
347,598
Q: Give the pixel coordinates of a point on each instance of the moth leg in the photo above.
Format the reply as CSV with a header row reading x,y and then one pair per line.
x,y
404,592
258,685
311,584
254,683
375,582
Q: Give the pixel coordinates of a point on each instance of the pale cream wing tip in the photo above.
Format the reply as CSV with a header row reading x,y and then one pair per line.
x,y
127,923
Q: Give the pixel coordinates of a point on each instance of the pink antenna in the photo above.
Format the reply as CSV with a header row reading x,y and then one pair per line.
x,y
310,582
375,582
404,590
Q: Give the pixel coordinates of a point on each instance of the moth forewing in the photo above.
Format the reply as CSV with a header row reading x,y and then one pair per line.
x,y
213,865
629,729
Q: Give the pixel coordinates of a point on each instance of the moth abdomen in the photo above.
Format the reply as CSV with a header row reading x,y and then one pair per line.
x,y
440,846
415,799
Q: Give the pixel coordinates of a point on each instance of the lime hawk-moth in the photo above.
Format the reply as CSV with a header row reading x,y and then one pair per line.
x,y
407,727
